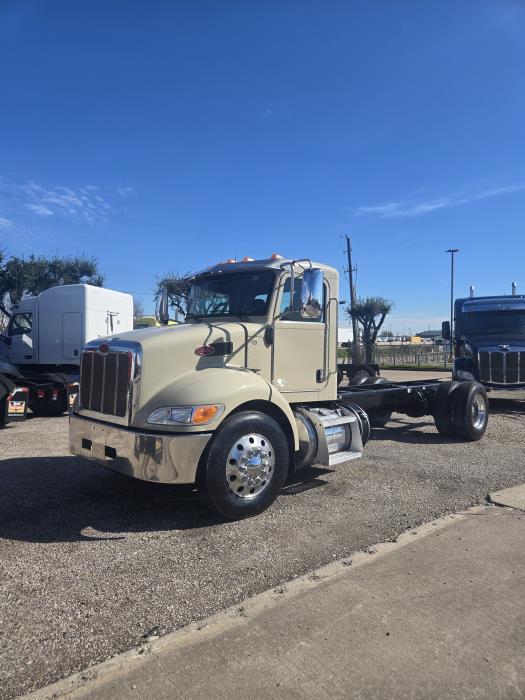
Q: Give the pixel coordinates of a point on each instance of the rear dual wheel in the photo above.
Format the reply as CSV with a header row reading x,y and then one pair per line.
x,y
246,465
461,409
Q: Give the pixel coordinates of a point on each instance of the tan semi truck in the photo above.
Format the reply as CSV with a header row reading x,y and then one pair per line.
x,y
245,392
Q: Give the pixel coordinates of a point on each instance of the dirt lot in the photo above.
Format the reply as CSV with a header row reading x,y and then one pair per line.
x,y
91,562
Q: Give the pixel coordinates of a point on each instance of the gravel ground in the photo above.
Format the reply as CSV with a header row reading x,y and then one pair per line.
x,y
90,562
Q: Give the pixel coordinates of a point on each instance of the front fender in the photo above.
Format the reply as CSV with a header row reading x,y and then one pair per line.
x,y
228,386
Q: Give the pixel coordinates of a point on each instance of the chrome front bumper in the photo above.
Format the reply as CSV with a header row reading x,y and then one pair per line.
x,y
168,459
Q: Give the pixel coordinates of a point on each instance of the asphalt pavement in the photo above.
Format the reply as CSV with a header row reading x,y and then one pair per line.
x,y
91,563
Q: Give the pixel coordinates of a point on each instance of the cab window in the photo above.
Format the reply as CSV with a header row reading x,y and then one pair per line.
x,y
20,324
286,303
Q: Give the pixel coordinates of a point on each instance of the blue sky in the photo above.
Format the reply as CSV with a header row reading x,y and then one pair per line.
x,y
170,135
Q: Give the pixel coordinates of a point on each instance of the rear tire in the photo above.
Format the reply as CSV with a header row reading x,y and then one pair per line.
x,y
6,388
471,410
378,417
360,374
444,410
246,466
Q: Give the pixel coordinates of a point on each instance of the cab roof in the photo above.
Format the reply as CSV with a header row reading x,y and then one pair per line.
x,y
272,263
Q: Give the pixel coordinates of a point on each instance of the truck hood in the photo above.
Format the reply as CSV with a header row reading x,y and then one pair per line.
x,y
169,359
177,345
497,343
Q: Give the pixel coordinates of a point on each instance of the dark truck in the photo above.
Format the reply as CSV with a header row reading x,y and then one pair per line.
x,y
489,340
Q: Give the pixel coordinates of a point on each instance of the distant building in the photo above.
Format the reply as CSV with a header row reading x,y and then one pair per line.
x,y
433,336
344,335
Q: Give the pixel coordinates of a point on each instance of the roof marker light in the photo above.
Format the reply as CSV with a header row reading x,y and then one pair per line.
x,y
247,259
276,256
231,260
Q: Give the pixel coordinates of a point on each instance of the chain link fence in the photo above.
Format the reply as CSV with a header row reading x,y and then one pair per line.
x,y
406,355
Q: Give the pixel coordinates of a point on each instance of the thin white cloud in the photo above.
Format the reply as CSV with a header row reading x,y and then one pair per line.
x,y
83,202
390,210
126,191
87,203
6,223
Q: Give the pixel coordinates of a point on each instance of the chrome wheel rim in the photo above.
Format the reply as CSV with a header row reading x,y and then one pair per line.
x,y
250,466
479,412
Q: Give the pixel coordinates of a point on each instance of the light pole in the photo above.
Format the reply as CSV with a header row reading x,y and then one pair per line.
x,y
452,252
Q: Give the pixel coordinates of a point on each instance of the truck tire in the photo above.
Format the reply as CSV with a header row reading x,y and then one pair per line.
x,y
443,409
340,375
360,374
45,408
378,417
6,388
471,410
246,465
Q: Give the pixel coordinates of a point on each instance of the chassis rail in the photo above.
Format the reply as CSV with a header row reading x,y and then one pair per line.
x,y
416,398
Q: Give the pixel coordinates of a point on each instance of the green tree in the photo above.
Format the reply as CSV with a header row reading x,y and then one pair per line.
x,y
21,277
178,287
370,314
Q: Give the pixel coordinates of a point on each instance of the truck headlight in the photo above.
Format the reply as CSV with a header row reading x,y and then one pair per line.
x,y
185,415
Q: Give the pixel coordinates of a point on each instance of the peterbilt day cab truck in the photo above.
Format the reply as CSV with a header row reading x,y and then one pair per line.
x,y
45,336
489,340
245,392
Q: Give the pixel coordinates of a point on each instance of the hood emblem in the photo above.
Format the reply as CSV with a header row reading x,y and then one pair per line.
x,y
205,350
504,348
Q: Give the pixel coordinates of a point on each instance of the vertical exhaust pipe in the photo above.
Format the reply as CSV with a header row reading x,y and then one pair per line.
x,y
514,289
471,292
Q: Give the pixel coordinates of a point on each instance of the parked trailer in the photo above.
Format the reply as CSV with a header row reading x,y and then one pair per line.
x,y
246,391
45,336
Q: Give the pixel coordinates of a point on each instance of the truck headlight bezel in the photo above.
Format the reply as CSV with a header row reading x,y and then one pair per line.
x,y
200,414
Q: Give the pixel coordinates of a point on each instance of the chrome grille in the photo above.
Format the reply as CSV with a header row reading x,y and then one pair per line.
x,y
104,381
501,367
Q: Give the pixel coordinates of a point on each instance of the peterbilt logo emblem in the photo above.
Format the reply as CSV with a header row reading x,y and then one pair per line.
x,y
504,348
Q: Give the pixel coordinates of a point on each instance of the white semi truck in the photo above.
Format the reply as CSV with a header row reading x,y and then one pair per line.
x,y
42,348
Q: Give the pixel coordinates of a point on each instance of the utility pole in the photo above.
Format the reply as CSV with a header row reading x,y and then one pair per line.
x,y
355,331
452,252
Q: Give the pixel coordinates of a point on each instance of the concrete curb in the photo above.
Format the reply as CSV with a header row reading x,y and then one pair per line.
x,y
235,616
512,498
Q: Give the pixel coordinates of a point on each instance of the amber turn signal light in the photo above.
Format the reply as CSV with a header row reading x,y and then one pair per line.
x,y
204,414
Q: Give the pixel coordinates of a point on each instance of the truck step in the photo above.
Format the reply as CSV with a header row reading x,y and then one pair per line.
x,y
340,457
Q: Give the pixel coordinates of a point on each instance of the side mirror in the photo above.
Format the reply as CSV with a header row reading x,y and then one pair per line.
x,y
161,308
312,294
445,330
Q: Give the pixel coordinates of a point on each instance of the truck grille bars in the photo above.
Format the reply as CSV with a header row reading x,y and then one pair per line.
x,y
502,367
104,382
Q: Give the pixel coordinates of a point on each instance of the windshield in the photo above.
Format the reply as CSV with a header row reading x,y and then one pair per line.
x,y
231,294
495,322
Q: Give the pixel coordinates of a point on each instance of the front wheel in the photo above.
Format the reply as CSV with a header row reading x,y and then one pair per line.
x,y
246,466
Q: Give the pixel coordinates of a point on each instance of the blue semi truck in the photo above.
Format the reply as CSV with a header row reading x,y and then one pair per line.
x,y
489,340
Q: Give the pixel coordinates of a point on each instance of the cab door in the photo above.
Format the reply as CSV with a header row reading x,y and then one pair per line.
x,y
299,347
71,335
